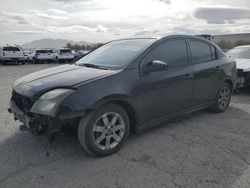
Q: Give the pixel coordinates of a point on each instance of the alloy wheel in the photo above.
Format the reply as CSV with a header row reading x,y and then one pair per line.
x,y
108,130
224,97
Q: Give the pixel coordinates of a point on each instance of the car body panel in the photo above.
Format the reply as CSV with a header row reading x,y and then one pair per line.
x,y
42,81
242,58
243,64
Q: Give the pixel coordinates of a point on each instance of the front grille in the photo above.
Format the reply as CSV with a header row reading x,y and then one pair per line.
x,y
24,103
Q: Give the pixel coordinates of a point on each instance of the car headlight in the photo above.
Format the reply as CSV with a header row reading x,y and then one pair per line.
x,y
48,103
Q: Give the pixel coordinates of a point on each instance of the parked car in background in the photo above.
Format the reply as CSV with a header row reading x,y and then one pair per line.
x,y
25,52
80,53
242,56
123,86
63,55
43,56
29,54
225,50
12,54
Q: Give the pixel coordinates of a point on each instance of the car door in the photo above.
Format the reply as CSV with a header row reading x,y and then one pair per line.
x,y
171,90
207,68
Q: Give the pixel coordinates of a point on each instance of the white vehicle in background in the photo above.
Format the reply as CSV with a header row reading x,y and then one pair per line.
x,y
43,56
12,54
29,54
241,54
63,55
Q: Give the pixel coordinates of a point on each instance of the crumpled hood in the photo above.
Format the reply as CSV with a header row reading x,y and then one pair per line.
x,y
243,64
64,76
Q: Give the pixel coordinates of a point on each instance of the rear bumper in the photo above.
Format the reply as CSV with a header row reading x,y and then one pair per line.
x,y
65,57
13,59
43,59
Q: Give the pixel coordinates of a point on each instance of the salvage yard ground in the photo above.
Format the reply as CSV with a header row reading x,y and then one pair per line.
x,y
199,150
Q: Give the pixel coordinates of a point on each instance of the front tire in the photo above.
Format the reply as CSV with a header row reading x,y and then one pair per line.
x,y
103,132
222,99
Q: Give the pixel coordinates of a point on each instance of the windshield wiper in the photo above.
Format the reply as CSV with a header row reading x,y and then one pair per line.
x,y
93,66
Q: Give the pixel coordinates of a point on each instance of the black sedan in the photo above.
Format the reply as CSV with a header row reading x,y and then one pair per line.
x,y
125,86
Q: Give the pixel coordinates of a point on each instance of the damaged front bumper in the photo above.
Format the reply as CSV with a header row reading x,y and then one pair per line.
x,y
37,124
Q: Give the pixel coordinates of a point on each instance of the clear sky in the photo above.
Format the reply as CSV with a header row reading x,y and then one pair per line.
x,y
103,20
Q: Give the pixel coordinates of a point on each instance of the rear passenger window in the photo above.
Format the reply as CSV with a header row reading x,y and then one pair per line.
x,y
200,51
173,52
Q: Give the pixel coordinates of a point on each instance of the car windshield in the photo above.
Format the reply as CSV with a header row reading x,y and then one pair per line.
x,y
65,51
116,54
11,49
239,53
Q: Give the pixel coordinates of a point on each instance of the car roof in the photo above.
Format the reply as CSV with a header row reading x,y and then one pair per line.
x,y
169,37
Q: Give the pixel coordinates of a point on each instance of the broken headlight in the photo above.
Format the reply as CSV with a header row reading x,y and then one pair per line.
x,y
48,103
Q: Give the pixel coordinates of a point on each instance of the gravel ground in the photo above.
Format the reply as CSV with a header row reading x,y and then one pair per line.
x,y
199,150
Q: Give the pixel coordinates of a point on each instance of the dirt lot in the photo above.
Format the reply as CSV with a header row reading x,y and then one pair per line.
x,y
199,150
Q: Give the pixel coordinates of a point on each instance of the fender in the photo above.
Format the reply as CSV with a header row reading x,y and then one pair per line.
x,y
111,98
108,99
226,79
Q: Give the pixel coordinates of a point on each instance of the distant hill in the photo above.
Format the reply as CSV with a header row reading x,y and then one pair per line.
x,y
232,37
52,43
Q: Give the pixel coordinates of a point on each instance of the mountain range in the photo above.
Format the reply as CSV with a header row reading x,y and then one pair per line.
x,y
52,43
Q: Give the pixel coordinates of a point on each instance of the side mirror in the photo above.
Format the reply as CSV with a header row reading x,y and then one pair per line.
x,y
155,66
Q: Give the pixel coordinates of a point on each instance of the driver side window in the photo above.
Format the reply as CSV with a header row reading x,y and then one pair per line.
x,y
174,52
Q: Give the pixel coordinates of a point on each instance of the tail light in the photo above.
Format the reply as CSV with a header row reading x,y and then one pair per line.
x,y
3,54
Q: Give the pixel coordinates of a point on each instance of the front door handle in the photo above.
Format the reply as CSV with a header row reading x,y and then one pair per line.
x,y
188,76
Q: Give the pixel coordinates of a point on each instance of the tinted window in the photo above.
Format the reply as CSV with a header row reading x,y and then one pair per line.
x,y
44,51
173,52
116,54
11,49
200,51
65,51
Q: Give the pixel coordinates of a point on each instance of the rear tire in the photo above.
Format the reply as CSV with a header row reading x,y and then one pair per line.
x,y
103,132
222,99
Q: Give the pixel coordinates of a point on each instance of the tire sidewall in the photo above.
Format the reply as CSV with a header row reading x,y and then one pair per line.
x,y
87,132
225,84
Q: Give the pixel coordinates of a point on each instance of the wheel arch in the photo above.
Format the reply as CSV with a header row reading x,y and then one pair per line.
x,y
227,80
230,82
122,101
